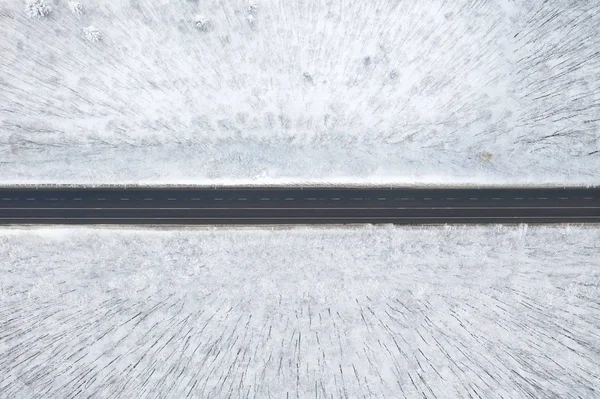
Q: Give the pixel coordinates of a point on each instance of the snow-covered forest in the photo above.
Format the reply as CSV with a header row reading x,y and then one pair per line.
x,y
366,312
293,92
278,91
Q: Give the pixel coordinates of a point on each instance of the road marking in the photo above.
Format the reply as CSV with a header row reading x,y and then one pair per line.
x,y
496,199
451,199
380,199
101,199
147,199
304,218
587,198
311,199
404,199
6,199
542,198
218,199
427,199
357,199
265,199
289,199
52,199
30,199
124,199
171,199
208,208
76,199
473,199
564,198
241,199
335,199
195,199
518,198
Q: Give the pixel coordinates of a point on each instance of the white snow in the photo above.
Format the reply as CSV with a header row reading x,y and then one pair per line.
x,y
76,7
92,33
495,92
397,312
37,8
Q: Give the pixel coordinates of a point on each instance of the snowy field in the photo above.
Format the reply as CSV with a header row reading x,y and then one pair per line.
x,y
277,91
298,313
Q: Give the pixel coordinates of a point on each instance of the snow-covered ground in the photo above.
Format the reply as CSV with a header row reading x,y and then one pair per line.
x,y
277,91
366,312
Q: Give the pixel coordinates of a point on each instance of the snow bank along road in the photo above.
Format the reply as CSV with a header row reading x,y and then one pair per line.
x,y
297,206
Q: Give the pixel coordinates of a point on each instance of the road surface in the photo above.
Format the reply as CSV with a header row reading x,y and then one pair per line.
x,y
297,206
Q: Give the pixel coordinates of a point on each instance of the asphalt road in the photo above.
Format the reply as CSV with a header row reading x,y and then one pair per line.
x,y
298,206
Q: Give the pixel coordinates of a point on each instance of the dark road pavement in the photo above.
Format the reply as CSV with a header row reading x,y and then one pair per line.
x,y
297,206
